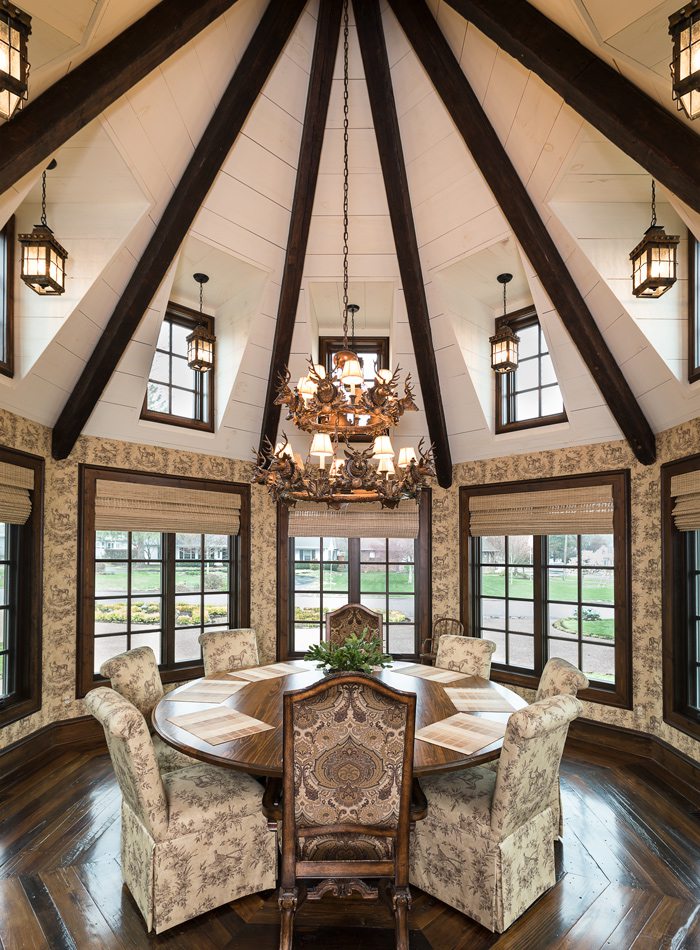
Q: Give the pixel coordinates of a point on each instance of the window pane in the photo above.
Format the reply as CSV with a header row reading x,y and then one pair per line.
x,y
160,370
187,645
110,616
563,650
520,549
598,623
373,578
305,636
402,578
527,375
493,613
164,336
529,341
562,549
158,398
182,375
597,550
552,403
375,602
188,547
562,584
307,549
183,403
335,577
112,545
4,593
522,651
563,620
106,648
520,582
188,610
146,613
111,577
188,577
180,335
547,371
597,585
216,547
307,576
401,609
526,406
372,549
402,549
521,616
493,581
493,550
216,576
599,662
402,638
500,640
215,608
152,640
335,549
146,545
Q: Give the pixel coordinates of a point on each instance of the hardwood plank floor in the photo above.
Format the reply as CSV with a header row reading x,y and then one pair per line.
x,y
628,874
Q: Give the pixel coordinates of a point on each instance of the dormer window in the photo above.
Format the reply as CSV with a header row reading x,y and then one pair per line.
x,y
530,395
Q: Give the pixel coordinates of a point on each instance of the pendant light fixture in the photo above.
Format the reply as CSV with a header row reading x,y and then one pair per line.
x,y
504,342
200,342
654,258
15,27
43,258
684,27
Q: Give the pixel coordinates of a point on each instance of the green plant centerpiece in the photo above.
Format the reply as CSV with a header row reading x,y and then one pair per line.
x,y
360,653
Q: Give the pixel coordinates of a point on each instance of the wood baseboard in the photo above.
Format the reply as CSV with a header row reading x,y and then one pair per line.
x,y
84,732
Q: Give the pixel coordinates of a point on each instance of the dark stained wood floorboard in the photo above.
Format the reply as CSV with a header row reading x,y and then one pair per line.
x,y
628,874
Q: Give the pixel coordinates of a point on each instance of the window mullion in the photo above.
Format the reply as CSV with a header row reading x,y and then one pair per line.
x,y
539,613
354,570
168,599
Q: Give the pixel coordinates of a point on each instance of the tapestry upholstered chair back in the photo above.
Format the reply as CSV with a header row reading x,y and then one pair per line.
x,y
226,650
443,626
468,655
352,618
560,678
136,677
347,783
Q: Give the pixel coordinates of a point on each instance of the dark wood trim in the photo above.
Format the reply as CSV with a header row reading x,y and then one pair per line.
x,y
519,320
7,303
492,160
674,606
621,694
27,696
388,134
187,317
216,142
317,99
628,117
65,107
87,477
30,752
693,309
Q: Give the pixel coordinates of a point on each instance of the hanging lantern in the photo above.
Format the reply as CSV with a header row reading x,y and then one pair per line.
x,y
504,342
43,258
15,27
200,342
684,27
654,260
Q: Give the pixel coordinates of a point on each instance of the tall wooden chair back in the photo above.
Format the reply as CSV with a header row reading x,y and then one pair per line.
x,y
352,618
443,626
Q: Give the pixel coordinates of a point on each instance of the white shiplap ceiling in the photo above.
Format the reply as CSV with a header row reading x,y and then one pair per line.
x,y
115,178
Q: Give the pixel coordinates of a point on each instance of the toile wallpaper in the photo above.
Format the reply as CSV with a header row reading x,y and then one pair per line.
x,y
61,533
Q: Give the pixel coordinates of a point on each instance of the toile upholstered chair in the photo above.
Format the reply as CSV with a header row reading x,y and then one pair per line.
x,y
352,618
468,655
486,846
347,789
226,650
135,676
443,626
192,839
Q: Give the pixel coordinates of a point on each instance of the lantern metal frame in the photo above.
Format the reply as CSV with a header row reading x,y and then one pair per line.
x,y
13,40
201,342
684,28
655,249
51,280
504,340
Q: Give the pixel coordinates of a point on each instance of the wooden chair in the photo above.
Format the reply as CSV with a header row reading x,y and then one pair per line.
x,y
226,650
352,618
468,655
347,788
443,625
486,846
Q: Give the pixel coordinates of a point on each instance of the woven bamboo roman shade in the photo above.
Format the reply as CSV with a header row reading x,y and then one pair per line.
x,y
15,501
133,506
373,521
563,511
686,491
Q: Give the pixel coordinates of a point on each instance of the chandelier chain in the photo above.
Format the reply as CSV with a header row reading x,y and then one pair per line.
x,y
653,203
43,200
346,125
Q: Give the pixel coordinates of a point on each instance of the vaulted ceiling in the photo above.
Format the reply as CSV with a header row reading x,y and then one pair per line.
x,y
117,175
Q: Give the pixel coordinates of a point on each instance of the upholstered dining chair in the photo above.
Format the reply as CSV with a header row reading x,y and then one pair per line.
x,y
192,839
135,676
352,618
449,626
225,650
468,655
347,790
486,846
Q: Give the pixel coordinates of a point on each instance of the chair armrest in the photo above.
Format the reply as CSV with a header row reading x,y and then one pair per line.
x,y
427,645
419,803
271,807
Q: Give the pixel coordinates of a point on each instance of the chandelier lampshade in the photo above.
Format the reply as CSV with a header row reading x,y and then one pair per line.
x,y
406,456
654,259
383,449
15,27
43,262
684,28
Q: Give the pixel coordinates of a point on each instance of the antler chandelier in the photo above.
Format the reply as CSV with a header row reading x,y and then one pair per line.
x,y
339,406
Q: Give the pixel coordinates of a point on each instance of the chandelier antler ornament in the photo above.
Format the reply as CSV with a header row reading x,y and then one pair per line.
x,y
339,406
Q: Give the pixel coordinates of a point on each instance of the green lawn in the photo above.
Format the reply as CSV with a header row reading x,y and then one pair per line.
x,y
602,629
371,582
148,581
565,588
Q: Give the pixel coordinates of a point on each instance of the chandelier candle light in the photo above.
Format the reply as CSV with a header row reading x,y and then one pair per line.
x,y
340,406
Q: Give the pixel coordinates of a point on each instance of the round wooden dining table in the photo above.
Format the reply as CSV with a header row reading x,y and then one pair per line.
x,y
261,753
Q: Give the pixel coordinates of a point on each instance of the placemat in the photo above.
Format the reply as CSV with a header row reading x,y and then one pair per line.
x,y
256,673
462,733
206,691
219,725
478,700
431,673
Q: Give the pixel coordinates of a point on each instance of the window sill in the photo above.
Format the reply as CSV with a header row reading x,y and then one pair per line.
x,y
14,710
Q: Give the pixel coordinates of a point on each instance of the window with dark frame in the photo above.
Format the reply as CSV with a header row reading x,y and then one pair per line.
x,y
7,292
145,588
681,608
564,596
176,394
693,309
530,395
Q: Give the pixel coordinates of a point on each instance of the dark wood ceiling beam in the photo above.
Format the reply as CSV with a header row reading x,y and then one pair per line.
x,y
386,129
317,99
455,91
655,138
48,121
253,70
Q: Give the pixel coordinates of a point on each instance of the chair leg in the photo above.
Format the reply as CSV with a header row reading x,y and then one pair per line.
x,y
287,901
402,905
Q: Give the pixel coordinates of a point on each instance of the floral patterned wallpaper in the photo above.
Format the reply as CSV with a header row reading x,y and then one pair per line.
x,y
60,553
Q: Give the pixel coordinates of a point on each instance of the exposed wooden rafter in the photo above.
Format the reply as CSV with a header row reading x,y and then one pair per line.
x,y
635,122
317,99
253,70
386,128
70,103
510,193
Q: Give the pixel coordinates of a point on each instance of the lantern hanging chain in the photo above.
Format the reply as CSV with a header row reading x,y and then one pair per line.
x,y
201,304
504,298
43,200
653,203
345,177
